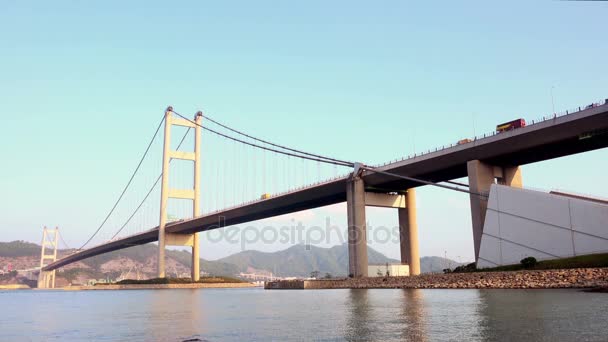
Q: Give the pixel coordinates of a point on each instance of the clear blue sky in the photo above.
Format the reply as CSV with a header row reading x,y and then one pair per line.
x,y
83,84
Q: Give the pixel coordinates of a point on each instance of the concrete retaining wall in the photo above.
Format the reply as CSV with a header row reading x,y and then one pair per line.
x,y
521,223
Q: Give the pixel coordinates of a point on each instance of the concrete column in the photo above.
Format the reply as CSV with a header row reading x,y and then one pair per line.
x,y
164,196
196,271
481,177
408,232
357,238
511,177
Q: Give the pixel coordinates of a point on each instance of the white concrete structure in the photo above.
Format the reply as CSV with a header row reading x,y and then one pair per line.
x,y
394,270
521,223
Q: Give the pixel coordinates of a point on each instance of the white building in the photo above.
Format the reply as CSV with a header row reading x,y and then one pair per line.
x,y
521,223
394,270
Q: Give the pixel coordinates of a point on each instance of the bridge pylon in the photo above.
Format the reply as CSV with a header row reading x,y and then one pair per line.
x,y
46,280
169,239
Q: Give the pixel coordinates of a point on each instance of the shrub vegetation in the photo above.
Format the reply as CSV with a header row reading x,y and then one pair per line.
x,y
530,263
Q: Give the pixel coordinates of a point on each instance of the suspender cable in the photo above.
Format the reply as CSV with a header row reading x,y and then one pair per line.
x,y
149,192
124,190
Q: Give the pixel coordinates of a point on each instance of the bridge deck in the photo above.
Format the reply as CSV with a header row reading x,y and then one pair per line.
x,y
582,131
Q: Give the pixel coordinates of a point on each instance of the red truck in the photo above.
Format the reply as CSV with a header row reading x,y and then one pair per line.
x,y
507,126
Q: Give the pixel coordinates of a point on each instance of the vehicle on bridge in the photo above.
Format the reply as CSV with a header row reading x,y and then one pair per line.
x,y
593,105
265,196
507,126
464,141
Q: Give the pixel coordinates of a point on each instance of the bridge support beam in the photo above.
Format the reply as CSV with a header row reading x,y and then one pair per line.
x,y
164,238
481,177
408,233
357,235
46,280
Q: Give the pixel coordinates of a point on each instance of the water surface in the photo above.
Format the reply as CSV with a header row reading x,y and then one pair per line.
x,y
296,315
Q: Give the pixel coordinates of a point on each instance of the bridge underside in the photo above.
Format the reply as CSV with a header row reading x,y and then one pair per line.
x,y
580,132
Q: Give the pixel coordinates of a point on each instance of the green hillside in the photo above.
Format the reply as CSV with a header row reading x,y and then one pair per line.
x,y
298,260
150,251
19,249
435,264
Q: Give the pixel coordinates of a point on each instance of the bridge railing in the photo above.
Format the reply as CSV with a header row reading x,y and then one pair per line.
x,y
281,193
493,133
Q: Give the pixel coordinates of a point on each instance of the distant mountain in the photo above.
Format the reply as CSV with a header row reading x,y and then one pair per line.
x,y
298,260
137,261
18,249
301,260
435,264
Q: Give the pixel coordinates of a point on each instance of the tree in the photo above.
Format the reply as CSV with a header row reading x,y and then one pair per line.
x,y
528,262
327,275
314,274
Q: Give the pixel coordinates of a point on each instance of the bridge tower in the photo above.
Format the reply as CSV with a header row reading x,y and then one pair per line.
x,y
169,239
46,280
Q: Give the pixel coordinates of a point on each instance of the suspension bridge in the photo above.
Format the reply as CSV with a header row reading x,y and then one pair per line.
x,y
241,178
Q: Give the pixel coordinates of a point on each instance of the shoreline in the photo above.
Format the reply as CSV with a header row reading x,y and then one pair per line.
x,y
14,287
581,278
157,286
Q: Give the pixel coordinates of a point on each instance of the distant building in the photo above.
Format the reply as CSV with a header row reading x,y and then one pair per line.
x,y
391,270
258,276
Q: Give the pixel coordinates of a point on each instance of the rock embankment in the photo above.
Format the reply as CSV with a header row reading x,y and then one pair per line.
x,y
542,279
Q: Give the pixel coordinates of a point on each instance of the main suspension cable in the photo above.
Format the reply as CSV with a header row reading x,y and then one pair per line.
x,y
325,160
273,144
124,190
421,181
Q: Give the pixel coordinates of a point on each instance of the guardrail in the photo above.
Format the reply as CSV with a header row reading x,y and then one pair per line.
x,y
493,133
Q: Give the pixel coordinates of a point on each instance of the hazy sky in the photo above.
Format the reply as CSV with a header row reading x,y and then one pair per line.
x,y
83,85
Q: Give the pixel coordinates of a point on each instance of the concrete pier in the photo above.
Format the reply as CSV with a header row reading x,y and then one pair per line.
x,y
481,177
357,235
408,232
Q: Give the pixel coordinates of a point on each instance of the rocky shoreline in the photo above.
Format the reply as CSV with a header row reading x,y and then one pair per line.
x,y
537,279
